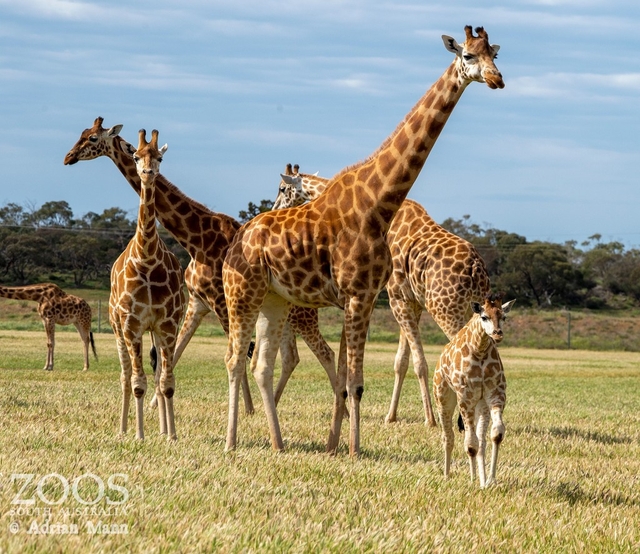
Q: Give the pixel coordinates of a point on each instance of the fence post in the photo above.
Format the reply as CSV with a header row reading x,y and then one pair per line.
x,y
569,329
99,314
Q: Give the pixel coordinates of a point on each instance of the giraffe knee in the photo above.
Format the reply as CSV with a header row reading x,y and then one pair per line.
x,y
359,393
168,393
138,392
497,434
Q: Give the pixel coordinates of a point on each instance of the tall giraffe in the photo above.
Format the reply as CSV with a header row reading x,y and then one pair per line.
x,y
146,295
469,373
57,307
333,251
433,270
205,235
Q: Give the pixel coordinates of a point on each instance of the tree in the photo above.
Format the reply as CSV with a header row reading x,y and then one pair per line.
x,y
540,272
53,214
253,210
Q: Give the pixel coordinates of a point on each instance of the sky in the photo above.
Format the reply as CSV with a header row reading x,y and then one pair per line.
x,y
238,89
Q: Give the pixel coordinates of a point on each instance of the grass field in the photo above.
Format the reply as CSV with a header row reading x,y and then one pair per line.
x,y
568,474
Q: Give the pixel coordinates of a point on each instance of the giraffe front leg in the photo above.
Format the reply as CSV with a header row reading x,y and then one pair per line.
x,y
339,397
357,317
483,416
50,330
471,443
167,388
85,337
497,435
125,379
138,382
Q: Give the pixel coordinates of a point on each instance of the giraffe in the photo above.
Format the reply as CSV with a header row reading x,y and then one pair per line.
x,y
205,235
433,270
333,250
146,295
470,374
57,306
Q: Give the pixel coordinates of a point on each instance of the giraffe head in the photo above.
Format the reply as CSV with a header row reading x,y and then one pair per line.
x,y
95,142
148,156
297,188
475,57
492,314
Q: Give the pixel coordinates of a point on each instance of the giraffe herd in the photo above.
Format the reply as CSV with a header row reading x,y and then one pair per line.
x,y
328,242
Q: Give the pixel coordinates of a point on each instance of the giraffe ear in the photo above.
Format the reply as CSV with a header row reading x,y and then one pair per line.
x,y
114,131
288,179
128,148
495,48
163,149
476,307
451,45
506,307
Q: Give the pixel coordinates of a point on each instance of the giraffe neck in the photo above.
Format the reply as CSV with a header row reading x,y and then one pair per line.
x,y
313,186
146,237
30,292
180,215
385,178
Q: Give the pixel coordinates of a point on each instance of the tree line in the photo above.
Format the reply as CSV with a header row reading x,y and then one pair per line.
x,y
49,243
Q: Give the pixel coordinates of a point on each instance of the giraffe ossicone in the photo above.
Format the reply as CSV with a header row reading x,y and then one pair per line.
x,y
332,251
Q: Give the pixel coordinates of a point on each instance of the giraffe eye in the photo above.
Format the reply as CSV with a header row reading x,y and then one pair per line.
x,y
93,138
283,190
468,58
484,318
136,158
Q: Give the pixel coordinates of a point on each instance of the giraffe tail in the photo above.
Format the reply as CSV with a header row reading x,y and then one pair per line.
x,y
153,356
93,345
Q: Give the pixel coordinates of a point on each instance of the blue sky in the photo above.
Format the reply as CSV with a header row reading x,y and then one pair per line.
x,y
239,89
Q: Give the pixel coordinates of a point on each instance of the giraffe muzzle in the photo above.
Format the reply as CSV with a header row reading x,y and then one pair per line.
x,y
494,80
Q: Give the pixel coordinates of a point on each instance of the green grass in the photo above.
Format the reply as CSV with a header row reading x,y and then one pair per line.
x,y
568,474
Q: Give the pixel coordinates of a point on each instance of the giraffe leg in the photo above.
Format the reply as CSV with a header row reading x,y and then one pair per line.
x,y
221,310
125,377
235,360
84,335
289,356
167,387
471,443
138,381
50,330
340,397
400,366
269,328
357,316
497,435
483,416
322,351
445,399
196,311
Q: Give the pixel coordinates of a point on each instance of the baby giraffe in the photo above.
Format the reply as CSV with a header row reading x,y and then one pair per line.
x,y
146,295
470,373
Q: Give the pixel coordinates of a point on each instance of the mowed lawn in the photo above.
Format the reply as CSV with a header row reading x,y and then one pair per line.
x,y
568,473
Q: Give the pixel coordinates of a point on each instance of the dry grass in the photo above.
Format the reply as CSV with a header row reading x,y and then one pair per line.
x,y
568,475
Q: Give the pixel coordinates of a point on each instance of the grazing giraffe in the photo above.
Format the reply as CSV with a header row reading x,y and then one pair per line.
x,y
433,270
57,307
333,251
469,373
205,235
147,295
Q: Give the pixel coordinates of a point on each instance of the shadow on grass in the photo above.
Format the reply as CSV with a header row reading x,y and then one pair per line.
x,y
572,432
573,493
